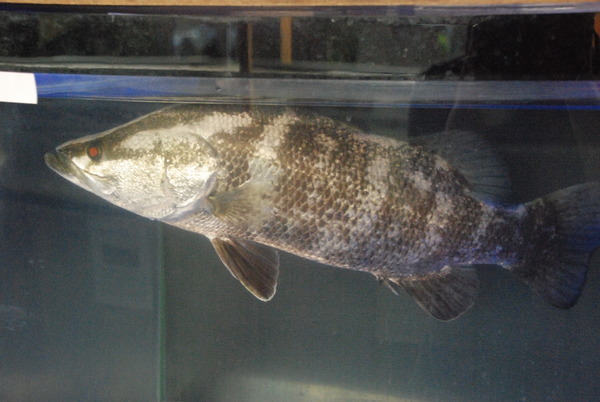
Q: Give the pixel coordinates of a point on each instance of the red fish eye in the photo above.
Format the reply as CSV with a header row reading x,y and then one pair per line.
x,y
93,152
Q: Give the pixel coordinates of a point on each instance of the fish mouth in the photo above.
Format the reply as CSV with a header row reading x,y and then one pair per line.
x,y
61,164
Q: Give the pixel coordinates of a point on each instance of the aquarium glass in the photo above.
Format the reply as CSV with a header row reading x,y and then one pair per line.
x,y
98,303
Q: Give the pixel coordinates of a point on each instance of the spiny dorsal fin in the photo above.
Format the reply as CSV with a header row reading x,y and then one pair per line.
x,y
445,295
254,265
473,157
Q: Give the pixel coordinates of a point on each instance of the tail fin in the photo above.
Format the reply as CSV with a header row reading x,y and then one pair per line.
x,y
564,230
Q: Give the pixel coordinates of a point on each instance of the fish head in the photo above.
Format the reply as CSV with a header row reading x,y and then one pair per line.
x,y
159,172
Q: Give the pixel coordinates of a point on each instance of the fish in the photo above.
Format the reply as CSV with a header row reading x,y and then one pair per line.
x,y
420,216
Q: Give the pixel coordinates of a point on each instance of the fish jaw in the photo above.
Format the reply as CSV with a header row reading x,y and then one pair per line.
x,y
62,165
165,207
59,163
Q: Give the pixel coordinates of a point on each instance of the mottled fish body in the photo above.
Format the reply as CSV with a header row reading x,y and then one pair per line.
x,y
416,216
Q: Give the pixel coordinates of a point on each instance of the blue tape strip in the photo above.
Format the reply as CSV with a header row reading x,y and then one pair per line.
x,y
203,89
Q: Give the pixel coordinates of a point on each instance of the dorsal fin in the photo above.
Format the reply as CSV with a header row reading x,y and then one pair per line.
x,y
445,295
256,266
486,173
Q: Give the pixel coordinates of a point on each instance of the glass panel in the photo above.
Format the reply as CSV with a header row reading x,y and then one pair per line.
x,y
79,317
331,334
97,303
385,45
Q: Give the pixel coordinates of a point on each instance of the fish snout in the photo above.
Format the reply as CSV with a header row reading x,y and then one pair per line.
x,y
59,163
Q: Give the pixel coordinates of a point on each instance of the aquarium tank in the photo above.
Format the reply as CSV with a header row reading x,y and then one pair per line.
x,y
115,302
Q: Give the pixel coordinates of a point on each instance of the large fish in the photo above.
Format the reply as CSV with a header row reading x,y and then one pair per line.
x,y
256,179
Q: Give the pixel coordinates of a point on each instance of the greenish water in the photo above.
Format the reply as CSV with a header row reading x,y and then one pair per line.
x,y
110,306
334,335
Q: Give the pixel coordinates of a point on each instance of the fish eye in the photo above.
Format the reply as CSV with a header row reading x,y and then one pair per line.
x,y
94,152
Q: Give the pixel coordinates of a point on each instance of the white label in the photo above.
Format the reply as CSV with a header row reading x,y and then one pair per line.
x,y
17,87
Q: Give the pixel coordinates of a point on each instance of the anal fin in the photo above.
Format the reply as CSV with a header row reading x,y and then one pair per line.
x,y
256,266
445,295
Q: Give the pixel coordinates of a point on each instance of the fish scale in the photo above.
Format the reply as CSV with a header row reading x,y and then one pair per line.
x,y
416,216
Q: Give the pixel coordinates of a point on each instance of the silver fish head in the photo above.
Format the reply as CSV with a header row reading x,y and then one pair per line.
x,y
156,171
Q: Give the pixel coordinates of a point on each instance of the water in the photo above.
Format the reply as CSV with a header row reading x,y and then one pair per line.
x,y
99,304
95,332
332,334
96,281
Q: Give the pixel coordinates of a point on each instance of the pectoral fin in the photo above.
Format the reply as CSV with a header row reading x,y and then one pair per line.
x,y
254,265
445,295
242,205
